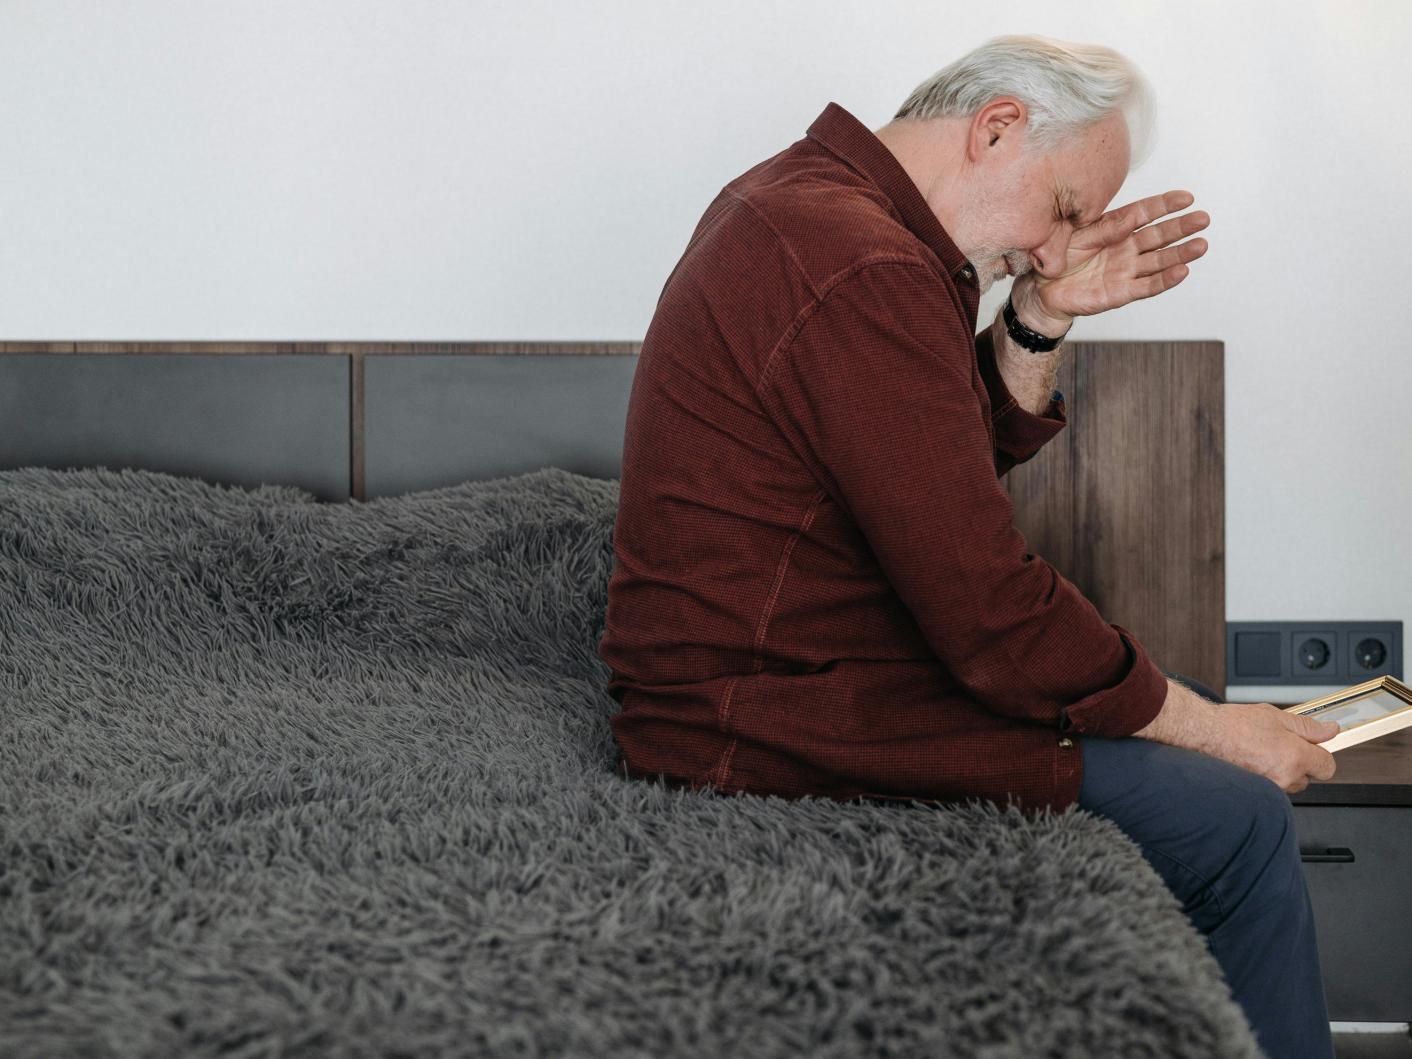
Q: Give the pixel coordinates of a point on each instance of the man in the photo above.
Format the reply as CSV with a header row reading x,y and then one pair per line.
x,y
818,588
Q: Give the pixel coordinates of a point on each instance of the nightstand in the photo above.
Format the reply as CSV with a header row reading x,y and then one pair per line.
x,y
1355,841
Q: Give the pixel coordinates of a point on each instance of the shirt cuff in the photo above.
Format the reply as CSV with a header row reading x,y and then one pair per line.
x,y
1019,433
1125,707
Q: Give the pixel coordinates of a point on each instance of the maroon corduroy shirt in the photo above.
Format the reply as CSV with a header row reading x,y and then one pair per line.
x,y
817,587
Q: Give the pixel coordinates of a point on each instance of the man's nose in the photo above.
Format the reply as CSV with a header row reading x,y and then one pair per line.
x,y
1048,258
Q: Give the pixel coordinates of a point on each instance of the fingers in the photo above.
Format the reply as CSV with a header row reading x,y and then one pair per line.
x,y
1147,286
1323,731
1329,768
1318,762
1122,222
1155,236
1145,211
1160,260
1322,768
1311,728
1319,765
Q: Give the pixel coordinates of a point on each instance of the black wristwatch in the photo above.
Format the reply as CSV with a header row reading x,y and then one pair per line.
x,y
1023,336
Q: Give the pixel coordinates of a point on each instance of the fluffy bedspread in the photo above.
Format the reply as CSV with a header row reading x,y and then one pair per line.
x,y
279,776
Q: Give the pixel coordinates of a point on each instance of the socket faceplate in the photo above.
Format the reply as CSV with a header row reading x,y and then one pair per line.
x,y
1278,652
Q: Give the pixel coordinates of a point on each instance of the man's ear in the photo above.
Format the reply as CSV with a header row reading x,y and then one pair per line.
x,y
1000,124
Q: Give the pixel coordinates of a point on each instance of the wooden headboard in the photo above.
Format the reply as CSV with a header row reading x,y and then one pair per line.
x,y
1127,501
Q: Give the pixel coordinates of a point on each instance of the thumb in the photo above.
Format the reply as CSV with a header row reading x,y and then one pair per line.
x,y
1317,730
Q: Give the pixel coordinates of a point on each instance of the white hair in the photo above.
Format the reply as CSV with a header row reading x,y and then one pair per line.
x,y
1065,86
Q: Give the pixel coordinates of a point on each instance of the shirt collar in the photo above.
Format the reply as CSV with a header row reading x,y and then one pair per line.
x,y
855,143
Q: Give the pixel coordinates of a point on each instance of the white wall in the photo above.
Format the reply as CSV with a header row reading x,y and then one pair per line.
x,y
488,170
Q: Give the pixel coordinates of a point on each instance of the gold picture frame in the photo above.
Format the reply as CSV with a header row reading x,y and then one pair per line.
x,y
1364,711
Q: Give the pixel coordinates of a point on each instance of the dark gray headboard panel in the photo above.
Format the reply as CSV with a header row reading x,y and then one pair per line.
x,y
340,419
431,421
236,419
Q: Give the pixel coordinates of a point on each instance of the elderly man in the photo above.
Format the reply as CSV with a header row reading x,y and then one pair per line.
x,y
818,588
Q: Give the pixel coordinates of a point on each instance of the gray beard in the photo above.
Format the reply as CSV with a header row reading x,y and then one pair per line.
x,y
991,260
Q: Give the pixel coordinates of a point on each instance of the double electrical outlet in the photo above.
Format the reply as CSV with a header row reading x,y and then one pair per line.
x,y
1312,652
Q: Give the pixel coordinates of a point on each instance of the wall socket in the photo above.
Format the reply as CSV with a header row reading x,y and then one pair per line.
x,y
1312,652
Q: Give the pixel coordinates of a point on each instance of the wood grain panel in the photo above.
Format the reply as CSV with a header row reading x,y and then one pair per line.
x,y
1128,500
1378,772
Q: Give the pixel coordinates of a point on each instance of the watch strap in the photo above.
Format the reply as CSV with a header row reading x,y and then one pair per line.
x,y
1023,336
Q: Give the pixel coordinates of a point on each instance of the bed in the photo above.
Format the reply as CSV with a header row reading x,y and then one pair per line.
x,y
306,752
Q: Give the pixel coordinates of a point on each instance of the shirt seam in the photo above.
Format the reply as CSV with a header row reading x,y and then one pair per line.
x,y
782,569
786,340
779,236
718,775
722,769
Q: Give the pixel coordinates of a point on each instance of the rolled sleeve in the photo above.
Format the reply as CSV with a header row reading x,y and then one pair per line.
x,y
1019,433
1127,706
877,393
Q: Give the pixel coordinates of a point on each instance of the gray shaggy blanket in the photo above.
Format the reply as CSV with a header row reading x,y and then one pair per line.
x,y
283,777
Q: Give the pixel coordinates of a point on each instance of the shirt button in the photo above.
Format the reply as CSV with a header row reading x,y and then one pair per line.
x,y
1066,742
968,272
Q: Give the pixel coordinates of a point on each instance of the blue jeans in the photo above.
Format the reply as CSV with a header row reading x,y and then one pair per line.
x,y
1223,840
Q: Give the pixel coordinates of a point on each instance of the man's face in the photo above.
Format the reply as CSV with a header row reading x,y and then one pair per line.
x,y
1029,204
